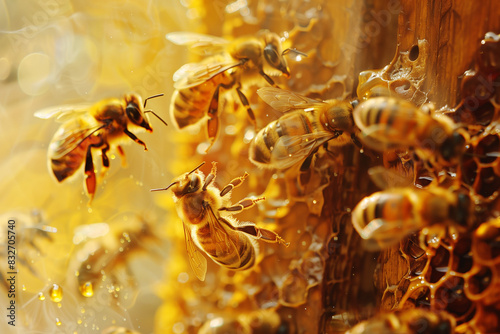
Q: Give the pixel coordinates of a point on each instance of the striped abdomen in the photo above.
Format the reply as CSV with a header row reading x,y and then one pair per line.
x,y
390,121
276,142
189,105
236,252
68,148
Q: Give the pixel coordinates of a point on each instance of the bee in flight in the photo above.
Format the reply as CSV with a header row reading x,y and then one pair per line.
x,y
98,127
393,123
305,125
209,226
388,216
229,65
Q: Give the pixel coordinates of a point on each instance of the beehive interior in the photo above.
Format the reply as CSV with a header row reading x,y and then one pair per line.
x,y
121,266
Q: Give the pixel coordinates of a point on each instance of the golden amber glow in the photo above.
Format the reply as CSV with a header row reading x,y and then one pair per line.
x,y
122,260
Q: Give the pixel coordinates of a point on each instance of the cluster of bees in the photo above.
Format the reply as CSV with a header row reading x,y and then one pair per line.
x,y
439,176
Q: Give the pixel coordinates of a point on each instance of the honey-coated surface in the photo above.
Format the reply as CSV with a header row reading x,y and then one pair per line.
x,y
120,264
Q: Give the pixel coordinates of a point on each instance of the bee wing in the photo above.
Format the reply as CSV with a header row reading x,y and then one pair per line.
x,y
224,246
284,100
379,137
388,178
290,150
194,74
69,137
197,261
63,113
204,45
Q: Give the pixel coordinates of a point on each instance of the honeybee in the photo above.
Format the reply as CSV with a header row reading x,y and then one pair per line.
x,y
101,126
259,321
388,216
306,125
393,123
209,226
411,321
197,85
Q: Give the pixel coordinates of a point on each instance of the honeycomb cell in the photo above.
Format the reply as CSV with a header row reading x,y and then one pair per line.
x,y
450,296
267,296
476,89
439,264
487,183
462,255
487,148
477,282
486,242
418,297
294,289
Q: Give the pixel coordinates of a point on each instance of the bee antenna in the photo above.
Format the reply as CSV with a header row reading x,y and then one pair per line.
x,y
151,111
194,170
151,97
287,51
161,189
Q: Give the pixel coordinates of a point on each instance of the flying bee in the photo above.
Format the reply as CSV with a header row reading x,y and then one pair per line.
x,y
388,216
393,123
209,226
101,126
306,125
229,65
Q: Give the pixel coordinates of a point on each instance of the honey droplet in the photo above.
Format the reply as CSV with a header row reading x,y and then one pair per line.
x,y
58,322
41,296
87,289
56,293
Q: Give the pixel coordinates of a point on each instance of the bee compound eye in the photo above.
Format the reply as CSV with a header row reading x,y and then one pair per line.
x,y
271,55
133,113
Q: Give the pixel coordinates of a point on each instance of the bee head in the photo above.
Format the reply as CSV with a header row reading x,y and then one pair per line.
x,y
186,184
338,117
134,111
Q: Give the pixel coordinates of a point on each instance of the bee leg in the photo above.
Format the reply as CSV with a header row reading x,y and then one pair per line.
x,y
233,184
245,103
268,79
121,153
356,141
213,118
261,233
90,179
134,138
307,162
210,177
105,160
242,205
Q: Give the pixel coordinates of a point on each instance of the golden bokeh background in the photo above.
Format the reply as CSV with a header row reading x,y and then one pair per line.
x,y
59,52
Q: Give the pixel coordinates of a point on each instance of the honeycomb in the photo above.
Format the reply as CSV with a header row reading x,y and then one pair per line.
x,y
121,266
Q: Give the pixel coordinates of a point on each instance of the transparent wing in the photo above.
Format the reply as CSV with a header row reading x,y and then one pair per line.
x,y
197,261
388,178
194,74
199,43
63,113
283,100
290,150
224,245
70,135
